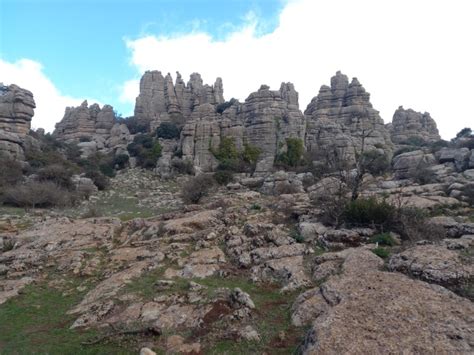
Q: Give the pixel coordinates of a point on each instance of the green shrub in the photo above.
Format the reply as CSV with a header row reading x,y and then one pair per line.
x,y
232,160
135,125
383,239
375,162
196,188
34,194
293,156
296,236
369,212
146,150
168,130
223,177
56,173
225,105
438,145
183,166
99,179
251,154
11,171
121,161
381,252
465,132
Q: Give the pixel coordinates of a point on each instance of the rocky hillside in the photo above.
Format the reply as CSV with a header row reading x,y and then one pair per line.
x,y
204,226
336,123
242,271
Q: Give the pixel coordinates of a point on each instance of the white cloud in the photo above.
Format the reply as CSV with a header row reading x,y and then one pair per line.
x,y
50,102
412,53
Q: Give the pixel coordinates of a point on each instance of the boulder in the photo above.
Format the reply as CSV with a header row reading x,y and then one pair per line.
x,y
383,312
407,164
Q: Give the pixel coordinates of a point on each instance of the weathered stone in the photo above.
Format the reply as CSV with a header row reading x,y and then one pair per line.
x,y
340,117
409,124
16,111
434,264
459,156
391,313
405,165
93,128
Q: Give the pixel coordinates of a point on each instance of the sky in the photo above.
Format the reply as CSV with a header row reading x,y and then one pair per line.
x,y
415,53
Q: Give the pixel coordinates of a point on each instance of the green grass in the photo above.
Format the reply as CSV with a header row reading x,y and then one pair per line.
x,y
271,316
383,239
12,211
36,322
381,252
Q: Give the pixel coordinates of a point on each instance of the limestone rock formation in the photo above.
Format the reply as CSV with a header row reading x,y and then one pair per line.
x,y
16,110
384,312
160,99
264,120
85,122
340,117
408,124
269,118
93,128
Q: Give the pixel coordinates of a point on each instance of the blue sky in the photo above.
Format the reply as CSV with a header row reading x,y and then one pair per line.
x,y
414,53
81,44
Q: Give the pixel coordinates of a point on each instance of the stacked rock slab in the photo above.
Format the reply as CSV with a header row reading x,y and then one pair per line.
x,y
409,124
340,117
85,122
16,111
160,100
269,118
93,128
264,120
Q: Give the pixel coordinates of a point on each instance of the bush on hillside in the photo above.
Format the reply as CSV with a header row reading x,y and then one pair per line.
x,y
168,130
223,177
293,156
196,188
57,173
136,126
182,166
368,212
146,149
41,194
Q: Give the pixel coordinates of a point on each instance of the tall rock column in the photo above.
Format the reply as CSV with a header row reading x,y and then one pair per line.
x,y
16,111
341,117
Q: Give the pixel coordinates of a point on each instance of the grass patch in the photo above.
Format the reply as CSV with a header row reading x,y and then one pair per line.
x,y
381,252
383,239
36,322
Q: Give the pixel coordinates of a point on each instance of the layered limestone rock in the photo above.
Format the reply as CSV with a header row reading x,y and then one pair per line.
x,y
16,111
341,117
93,128
269,118
85,122
159,99
264,120
409,124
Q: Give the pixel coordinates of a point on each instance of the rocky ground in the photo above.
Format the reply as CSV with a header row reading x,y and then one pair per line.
x,y
242,272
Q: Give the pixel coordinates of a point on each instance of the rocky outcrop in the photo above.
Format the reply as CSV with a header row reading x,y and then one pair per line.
x,y
409,124
341,117
160,99
16,111
265,120
93,128
269,118
384,312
